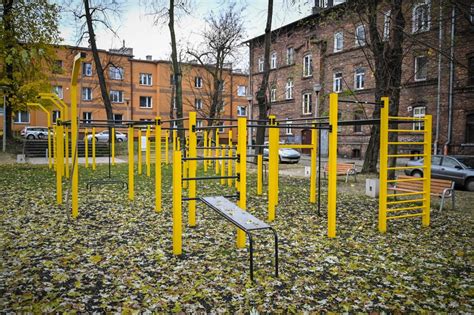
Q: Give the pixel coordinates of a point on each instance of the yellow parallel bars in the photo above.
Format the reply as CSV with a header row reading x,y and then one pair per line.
x,y
427,172
192,153
59,162
332,165
177,206
242,152
131,162
273,157
383,166
157,164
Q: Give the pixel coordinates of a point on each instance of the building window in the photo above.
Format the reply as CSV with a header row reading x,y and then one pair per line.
x,y
386,25
58,66
360,35
86,94
22,117
290,56
260,64
307,104
118,118
116,73
56,115
338,41
419,112
241,90
289,89
357,116
199,124
288,130
421,68
307,65
337,82
221,130
470,70
241,111
145,79
146,102
87,117
58,89
273,93
87,69
116,96
198,82
273,61
356,153
359,80
470,128
198,103
421,17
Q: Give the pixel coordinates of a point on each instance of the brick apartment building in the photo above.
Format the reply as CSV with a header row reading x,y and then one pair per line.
x,y
139,89
329,48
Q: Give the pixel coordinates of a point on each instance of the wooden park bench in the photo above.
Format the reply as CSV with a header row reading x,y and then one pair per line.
x,y
346,169
439,187
244,221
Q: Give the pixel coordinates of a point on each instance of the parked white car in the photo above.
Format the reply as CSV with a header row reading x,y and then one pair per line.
x,y
104,136
34,132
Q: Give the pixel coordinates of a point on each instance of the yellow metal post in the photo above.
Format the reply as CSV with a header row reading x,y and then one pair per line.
x,y
222,167
175,142
59,163
148,151
139,151
66,151
217,152
113,145
332,165
229,162
427,172
242,151
192,149
86,148
273,135
167,143
259,174
131,162
383,165
177,206
48,119
312,185
94,140
205,151
158,164
55,151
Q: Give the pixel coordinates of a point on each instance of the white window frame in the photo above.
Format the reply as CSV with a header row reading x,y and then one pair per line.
x,y
307,104
290,56
241,90
18,117
59,91
114,117
199,124
116,73
273,60
116,96
87,117
289,89
148,101
146,79
86,93
273,93
337,82
260,64
87,69
198,103
425,24
288,129
338,41
308,65
359,79
198,82
221,130
360,40
386,25
417,78
56,114
419,112
241,110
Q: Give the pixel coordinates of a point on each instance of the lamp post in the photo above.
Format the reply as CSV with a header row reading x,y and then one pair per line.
x,y
250,109
4,89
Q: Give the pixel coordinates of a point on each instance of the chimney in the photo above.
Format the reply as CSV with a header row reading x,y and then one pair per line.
x,y
148,57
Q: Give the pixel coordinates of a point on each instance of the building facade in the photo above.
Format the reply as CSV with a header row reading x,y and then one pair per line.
x,y
329,48
138,89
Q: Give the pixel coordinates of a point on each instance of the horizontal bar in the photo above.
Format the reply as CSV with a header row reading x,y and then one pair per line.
x,y
405,201
405,155
405,216
303,118
175,119
416,179
405,194
404,167
407,143
220,148
296,146
312,126
211,158
200,198
176,128
407,118
404,209
208,178
217,119
406,130
359,122
216,127
360,102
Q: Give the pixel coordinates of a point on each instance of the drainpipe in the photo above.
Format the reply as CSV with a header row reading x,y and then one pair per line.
x,y
451,81
438,98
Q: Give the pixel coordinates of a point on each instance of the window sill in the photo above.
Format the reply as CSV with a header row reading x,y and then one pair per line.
x,y
87,100
306,77
21,123
142,107
145,84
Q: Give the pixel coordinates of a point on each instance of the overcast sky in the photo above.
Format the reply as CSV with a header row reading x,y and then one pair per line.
x,y
138,31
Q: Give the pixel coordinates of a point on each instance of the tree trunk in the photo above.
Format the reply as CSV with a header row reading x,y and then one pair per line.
x,y
263,105
98,64
9,39
177,74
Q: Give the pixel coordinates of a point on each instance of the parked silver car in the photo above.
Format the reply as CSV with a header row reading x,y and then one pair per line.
x,y
104,136
34,132
459,169
285,155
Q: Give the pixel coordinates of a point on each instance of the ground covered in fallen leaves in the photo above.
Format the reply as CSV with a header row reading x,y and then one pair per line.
x,y
117,255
